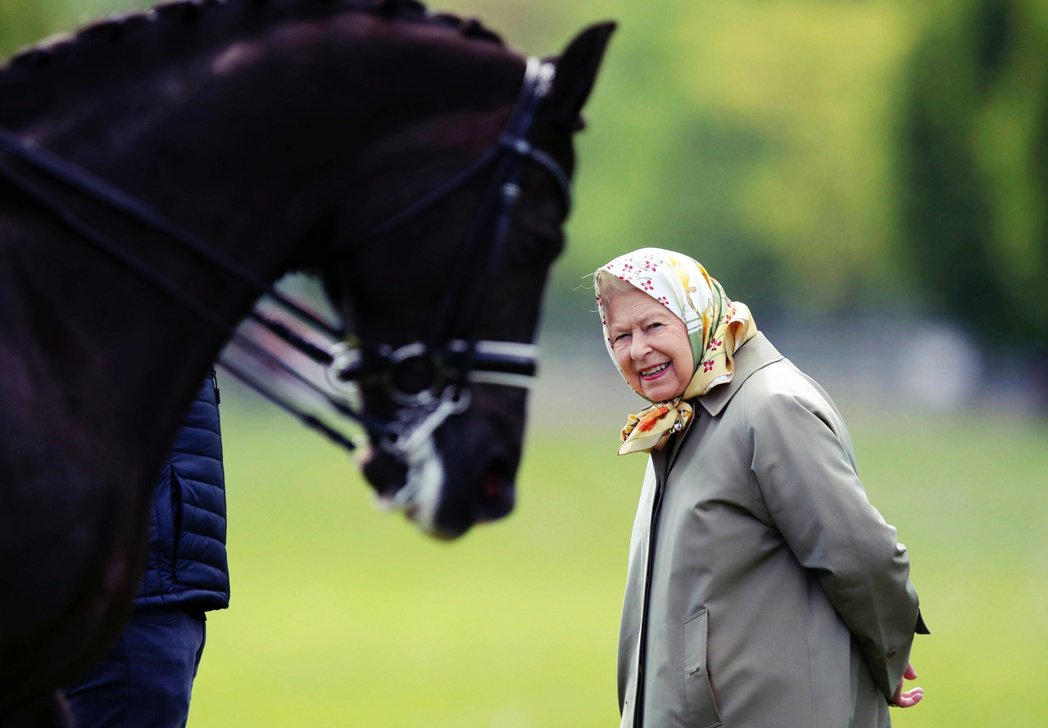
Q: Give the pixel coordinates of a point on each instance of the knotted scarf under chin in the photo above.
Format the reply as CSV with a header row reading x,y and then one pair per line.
x,y
651,428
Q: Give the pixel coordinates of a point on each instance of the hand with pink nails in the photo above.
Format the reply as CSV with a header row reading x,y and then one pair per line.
x,y
907,698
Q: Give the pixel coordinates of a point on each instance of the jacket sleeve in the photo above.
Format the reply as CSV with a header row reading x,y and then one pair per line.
x,y
805,469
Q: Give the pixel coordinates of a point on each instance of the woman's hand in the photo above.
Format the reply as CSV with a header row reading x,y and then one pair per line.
x,y
910,697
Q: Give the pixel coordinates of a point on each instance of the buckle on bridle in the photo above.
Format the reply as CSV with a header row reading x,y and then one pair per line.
x,y
505,363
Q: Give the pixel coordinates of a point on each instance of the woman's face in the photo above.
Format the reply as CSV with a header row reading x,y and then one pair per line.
x,y
650,344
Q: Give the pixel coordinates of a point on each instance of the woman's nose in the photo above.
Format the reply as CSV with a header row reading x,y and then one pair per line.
x,y
639,346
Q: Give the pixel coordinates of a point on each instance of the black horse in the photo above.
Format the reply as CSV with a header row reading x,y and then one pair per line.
x,y
158,170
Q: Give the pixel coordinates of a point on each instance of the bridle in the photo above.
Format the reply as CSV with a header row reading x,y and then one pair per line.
x,y
449,363
453,362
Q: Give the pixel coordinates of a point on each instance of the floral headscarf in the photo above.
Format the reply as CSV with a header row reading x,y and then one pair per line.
x,y
716,326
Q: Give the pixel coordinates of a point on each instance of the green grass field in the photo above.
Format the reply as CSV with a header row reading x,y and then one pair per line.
x,y
345,616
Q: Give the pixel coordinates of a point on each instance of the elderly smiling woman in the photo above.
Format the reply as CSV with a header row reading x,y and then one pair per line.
x,y
763,587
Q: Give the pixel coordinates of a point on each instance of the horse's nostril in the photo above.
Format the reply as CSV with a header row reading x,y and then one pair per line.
x,y
494,484
496,494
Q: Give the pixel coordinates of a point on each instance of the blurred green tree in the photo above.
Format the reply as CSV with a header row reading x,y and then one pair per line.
x,y
974,169
756,135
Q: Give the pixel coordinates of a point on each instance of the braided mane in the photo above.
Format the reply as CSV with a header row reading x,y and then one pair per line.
x,y
103,35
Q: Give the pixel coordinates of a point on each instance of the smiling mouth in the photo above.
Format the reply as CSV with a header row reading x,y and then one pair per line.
x,y
654,371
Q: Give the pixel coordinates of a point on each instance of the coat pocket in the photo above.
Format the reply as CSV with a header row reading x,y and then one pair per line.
x,y
177,496
698,692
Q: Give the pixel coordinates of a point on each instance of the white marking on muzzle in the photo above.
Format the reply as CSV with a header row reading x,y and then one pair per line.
x,y
414,446
420,494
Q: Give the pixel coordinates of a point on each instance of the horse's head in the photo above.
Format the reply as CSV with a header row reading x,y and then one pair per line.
x,y
462,207
425,164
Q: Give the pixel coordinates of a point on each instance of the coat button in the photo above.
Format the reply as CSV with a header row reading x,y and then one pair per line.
x,y
891,653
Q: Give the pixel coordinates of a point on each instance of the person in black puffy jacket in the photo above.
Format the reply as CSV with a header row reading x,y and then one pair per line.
x,y
147,677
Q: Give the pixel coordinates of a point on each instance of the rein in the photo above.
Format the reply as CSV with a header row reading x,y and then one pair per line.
x,y
452,362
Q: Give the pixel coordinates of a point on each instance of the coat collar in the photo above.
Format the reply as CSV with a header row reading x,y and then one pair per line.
x,y
755,354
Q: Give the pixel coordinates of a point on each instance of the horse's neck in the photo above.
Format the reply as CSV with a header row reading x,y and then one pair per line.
x,y
273,123
92,356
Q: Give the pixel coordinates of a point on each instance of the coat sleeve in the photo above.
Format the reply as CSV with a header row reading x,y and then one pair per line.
x,y
805,470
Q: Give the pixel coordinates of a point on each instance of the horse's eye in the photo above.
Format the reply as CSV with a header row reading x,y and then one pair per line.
x,y
542,241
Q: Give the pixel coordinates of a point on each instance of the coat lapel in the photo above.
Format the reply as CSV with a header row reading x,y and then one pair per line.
x,y
753,356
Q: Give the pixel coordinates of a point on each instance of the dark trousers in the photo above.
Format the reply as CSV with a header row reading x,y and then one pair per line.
x,y
147,677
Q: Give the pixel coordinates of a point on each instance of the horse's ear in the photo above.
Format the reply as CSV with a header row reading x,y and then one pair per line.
x,y
576,74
